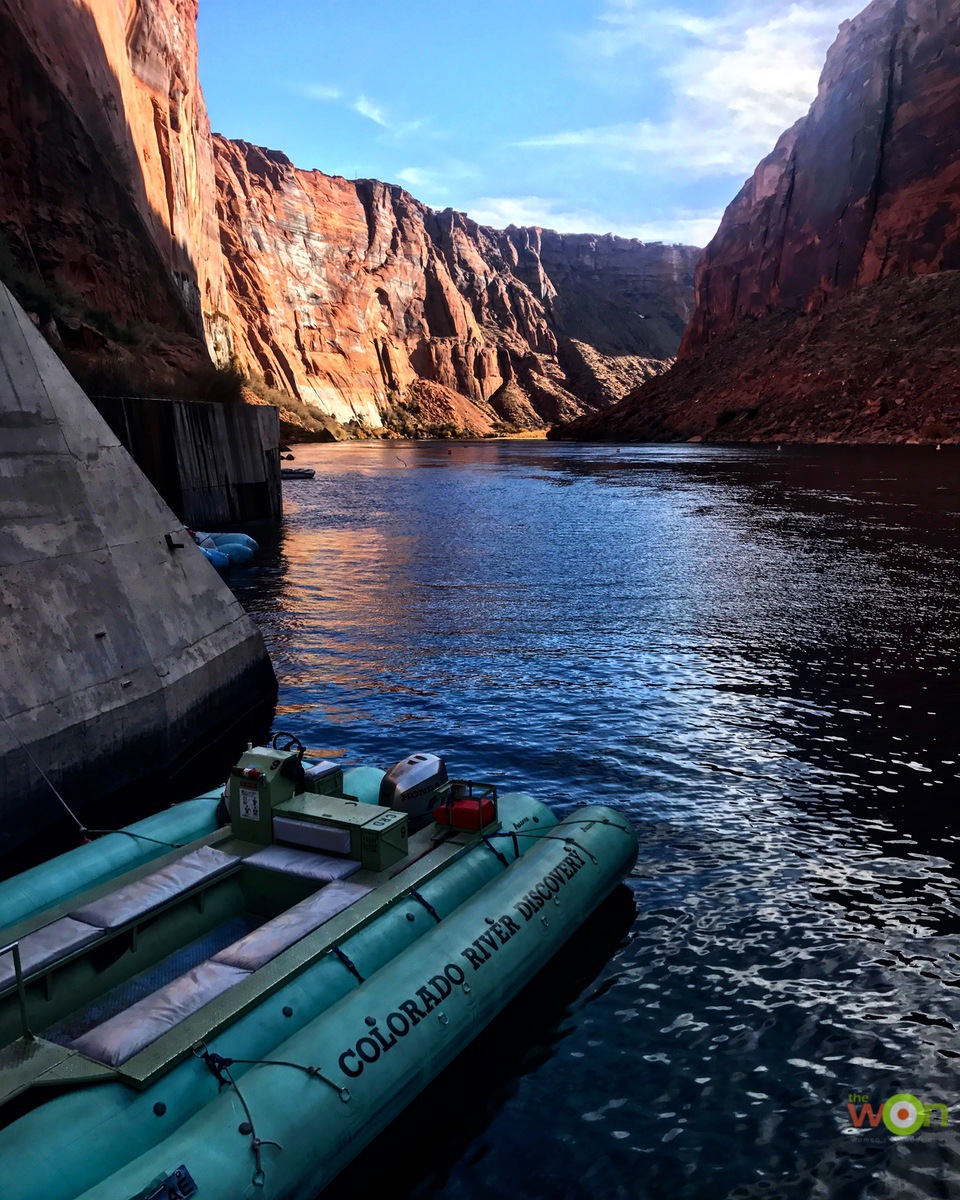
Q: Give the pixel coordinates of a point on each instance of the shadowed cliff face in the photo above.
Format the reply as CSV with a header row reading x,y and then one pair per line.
x,y
347,293
878,364
866,187
107,182
808,325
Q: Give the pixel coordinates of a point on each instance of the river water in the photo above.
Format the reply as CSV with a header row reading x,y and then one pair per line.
x,y
754,654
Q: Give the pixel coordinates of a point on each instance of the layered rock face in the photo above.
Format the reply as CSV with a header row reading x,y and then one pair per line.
x,y
347,294
879,364
866,187
150,251
107,185
861,196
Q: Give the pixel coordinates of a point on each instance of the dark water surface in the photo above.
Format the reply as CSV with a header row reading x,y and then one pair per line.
x,y
752,653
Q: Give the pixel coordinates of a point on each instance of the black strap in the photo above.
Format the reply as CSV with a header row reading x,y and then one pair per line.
x,y
218,1066
351,967
178,1186
491,846
415,895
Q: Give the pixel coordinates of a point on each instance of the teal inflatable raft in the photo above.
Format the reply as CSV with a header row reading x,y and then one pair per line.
x,y
232,998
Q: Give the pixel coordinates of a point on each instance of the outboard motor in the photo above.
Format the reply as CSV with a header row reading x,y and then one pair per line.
x,y
411,787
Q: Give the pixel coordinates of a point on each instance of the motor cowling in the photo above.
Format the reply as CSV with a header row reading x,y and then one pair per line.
x,y
411,787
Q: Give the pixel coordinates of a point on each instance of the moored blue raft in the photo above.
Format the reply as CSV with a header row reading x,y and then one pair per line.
x,y
253,1007
223,549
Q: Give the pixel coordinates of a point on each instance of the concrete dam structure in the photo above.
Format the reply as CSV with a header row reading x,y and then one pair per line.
x,y
121,650
214,464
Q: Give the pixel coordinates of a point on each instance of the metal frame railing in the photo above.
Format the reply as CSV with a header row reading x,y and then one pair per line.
x,y
465,789
14,949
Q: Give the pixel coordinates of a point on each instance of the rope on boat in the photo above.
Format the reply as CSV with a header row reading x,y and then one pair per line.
x,y
82,829
546,836
549,835
219,1067
141,837
70,813
583,850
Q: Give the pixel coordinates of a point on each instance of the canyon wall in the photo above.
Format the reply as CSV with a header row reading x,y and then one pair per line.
x,y
852,226
351,294
107,186
866,187
150,252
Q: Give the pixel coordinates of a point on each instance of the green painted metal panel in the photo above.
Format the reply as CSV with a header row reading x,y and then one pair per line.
x,y
252,801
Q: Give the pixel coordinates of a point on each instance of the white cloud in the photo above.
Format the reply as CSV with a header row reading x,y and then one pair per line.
x,y
317,91
433,185
682,227
360,104
416,177
732,83
373,112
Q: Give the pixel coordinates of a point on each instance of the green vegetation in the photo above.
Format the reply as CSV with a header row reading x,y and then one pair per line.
x,y
324,427
404,418
226,384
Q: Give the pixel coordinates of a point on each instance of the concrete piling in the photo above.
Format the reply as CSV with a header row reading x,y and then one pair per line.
x,y
121,650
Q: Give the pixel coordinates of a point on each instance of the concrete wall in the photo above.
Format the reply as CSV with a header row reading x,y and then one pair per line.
x,y
214,464
119,653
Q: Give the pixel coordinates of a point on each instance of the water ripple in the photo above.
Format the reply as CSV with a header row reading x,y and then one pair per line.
x,y
752,654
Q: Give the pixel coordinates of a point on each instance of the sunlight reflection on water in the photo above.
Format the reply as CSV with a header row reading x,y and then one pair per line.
x,y
754,655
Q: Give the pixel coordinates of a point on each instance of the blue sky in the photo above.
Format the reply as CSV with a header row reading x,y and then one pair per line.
x,y
638,117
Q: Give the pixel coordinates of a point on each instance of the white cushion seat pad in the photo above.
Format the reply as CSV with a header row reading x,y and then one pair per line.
x,y
136,899
256,949
121,1037
44,946
306,864
311,835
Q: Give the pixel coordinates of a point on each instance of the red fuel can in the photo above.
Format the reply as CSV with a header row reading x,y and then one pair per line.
x,y
466,814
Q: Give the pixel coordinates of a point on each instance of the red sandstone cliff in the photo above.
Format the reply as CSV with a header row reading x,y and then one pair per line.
x,y
811,322
107,189
346,294
353,298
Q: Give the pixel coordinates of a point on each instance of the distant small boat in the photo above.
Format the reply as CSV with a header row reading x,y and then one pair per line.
x,y
297,472
215,558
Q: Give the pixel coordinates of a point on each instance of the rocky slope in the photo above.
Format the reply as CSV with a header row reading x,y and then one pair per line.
x,y
829,237
347,294
880,364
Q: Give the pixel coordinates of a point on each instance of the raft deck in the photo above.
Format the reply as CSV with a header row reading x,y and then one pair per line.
x,y
121,982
